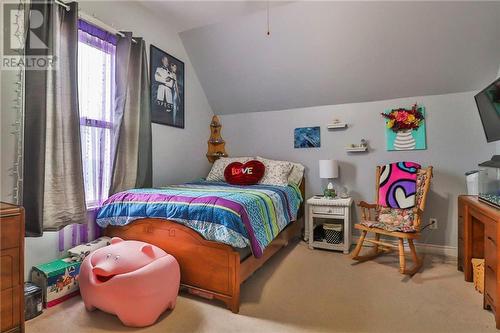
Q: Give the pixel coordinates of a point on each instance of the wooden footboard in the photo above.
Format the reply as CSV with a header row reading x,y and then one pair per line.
x,y
208,269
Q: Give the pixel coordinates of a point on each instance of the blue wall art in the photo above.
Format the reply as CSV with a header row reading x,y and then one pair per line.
x,y
307,137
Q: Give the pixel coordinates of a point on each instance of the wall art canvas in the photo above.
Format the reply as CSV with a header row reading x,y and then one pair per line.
x,y
405,129
167,88
307,137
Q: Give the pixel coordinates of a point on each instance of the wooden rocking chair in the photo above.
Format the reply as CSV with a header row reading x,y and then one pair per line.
x,y
370,216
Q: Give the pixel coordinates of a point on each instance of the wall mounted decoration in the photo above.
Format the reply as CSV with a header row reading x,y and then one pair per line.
x,y
405,128
167,88
336,124
307,137
216,145
357,148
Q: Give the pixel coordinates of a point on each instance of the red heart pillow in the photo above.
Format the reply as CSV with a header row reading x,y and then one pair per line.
x,y
250,173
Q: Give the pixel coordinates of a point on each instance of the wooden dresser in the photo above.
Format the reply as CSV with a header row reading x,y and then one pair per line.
x,y
12,268
479,237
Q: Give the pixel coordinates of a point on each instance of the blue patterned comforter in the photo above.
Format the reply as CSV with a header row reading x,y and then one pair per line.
x,y
240,216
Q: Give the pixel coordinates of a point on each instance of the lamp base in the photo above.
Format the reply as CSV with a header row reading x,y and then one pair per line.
x,y
329,191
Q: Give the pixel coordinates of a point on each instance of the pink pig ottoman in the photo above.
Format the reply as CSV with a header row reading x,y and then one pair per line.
x,y
136,281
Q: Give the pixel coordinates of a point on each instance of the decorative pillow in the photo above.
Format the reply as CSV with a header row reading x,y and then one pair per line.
x,y
248,173
398,185
277,172
296,174
216,174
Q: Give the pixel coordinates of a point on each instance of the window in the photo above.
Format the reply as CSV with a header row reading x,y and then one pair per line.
x,y
96,67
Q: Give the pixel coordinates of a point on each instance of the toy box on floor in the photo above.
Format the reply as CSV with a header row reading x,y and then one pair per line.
x,y
81,251
58,280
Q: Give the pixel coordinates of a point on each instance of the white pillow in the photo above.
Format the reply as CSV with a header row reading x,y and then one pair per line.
x,y
216,174
277,172
296,174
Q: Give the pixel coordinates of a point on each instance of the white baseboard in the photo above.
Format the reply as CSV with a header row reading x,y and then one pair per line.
x,y
449,253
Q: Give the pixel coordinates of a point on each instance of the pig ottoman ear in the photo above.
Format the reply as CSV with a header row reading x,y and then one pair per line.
x,y
148,250
116,240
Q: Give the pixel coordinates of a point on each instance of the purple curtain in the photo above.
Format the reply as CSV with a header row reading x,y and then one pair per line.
x,y
92,30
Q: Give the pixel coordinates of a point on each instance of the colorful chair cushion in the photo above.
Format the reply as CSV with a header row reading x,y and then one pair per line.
x,y
393,219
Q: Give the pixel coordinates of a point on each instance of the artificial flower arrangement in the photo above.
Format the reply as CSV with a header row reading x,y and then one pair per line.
x,y
403,119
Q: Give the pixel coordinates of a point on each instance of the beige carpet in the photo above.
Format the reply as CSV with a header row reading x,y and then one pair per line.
x,y
301,290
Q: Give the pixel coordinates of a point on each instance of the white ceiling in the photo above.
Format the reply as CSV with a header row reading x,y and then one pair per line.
x,y
186,15
322,53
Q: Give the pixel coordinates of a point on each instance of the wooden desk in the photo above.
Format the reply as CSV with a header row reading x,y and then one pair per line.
x,y
478,236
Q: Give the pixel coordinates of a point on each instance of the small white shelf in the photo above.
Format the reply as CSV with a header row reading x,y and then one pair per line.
x,y
337,126
356,149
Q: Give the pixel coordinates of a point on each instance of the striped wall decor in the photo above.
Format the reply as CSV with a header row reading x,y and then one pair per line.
x,y
407,139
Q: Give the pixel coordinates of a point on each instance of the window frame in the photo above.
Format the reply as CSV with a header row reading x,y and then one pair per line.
x,y
99,194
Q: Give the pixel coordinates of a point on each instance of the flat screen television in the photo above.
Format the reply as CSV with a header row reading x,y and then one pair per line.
x,y
488,104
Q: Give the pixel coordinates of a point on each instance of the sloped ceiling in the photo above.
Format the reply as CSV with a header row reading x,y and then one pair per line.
x,y
186,15
322,53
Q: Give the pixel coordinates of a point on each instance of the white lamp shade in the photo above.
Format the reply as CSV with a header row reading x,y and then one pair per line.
x,y
328,169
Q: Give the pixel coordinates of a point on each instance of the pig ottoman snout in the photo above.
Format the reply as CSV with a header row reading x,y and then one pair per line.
x,y
101,274
134,280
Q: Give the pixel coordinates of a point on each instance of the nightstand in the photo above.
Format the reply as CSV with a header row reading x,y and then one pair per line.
x,y
337,210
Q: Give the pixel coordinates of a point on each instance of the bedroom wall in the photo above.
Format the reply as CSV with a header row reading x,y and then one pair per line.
x,y
178,154
455,144
171,163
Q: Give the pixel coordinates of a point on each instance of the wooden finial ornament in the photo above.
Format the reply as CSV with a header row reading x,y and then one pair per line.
x,y
216,146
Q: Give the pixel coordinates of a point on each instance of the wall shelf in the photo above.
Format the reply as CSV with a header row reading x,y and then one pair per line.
x,y
336,126
216,155
216,145
356,149
216,142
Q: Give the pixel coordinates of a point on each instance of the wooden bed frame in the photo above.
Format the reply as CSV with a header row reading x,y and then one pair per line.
x,y
209,269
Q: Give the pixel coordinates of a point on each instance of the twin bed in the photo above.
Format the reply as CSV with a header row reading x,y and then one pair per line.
x,y
219,233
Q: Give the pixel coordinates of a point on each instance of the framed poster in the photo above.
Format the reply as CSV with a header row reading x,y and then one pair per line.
x,y
307,137
167,88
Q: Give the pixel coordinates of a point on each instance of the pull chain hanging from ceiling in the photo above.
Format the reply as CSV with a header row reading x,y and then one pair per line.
x,y
268,25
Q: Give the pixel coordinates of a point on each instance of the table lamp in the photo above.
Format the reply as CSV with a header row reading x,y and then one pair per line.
x,y
328,169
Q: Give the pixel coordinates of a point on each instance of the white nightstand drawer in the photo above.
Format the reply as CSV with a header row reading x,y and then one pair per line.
x,y
328,210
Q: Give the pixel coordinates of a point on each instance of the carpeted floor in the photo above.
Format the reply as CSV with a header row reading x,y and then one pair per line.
x,y
300,290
